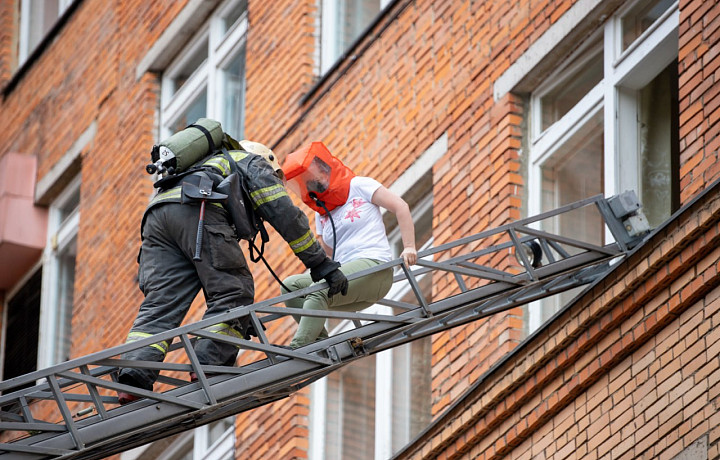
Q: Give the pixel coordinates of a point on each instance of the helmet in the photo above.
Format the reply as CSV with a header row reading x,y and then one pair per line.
x,y
259,149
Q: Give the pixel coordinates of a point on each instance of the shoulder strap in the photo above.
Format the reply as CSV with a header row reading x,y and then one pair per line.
x,y
230,160
172,180
211,143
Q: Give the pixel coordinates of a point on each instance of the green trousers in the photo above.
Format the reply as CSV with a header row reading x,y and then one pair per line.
x,y
362,293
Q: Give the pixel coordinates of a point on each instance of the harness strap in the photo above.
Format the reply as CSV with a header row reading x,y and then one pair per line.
x,y
211,143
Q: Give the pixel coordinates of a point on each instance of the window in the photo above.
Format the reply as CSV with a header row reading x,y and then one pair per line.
x,y
606,121
640,18
208,78
343,22
59,277
20,331
37,17
374,406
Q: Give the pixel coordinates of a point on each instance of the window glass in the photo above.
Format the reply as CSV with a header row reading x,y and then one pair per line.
x,y
353,16
343,22
43,15
185,454
21,330
640,18
214,441
65,293
571,89
68,206
656,145
209,80
37,17
58,281
411,382
193,62
196,109
232,16
216,430
351,412
411,363
574,172
234,92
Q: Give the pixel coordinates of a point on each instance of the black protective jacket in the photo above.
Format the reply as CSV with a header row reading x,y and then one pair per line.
x,y
267,195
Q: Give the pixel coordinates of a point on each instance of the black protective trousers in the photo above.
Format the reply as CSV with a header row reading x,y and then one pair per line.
x,y
171,279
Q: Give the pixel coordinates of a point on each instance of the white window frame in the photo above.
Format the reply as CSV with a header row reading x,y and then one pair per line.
x,y
27,9
222,449
615,95
223,47
329,52
59,236
383,364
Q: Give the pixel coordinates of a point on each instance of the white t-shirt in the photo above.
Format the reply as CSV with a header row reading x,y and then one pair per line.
x,y
358,223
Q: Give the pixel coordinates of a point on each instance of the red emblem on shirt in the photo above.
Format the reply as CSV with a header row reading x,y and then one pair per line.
x,y
354,212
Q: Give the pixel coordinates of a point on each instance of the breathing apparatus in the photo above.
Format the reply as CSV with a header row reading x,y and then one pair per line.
x,y
319,179
313,169
173,159
185,148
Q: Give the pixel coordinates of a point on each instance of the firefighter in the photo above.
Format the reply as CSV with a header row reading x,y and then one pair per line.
x,y
171,273
349,225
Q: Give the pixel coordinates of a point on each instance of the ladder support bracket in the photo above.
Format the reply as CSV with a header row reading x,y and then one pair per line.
x,y
353,347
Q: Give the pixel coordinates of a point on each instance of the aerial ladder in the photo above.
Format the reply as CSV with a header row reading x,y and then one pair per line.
x,y
90,424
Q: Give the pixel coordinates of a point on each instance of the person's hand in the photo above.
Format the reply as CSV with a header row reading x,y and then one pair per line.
x,y
329,270
338,283
409,256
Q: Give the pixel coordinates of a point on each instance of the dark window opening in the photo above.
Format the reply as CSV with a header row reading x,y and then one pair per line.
x,y
21,330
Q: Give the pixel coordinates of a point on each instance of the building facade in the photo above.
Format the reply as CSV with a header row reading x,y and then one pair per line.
x,y
477,113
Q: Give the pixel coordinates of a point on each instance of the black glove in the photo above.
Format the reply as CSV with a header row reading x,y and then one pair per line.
x,y
245,327
329,270
251,332
338,283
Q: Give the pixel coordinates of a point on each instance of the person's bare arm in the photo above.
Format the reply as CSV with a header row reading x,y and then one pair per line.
x,y
328,250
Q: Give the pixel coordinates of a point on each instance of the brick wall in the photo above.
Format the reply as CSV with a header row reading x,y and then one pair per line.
x,y
8,41
699,95
427,69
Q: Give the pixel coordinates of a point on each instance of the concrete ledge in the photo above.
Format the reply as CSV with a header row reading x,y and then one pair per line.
x,y
175,36
23,226
543,56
